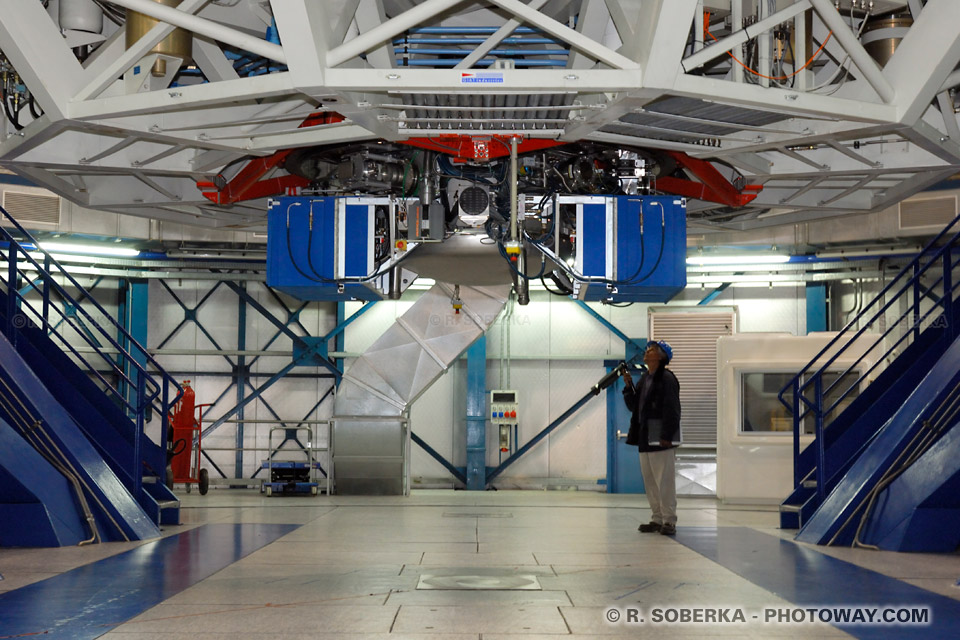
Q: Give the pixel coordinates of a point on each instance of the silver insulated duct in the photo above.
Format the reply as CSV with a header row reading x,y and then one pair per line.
x,y
370,437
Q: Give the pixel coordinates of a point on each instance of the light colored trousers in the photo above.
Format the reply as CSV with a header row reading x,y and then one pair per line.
x,y
659,479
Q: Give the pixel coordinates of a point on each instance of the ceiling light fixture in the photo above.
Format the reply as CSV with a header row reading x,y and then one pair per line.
x,y
89,249
703,261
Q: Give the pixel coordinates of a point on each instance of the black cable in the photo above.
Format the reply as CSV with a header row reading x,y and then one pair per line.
x,y
174,451
643,255
14,118
663,241
33,108
557,292
309,247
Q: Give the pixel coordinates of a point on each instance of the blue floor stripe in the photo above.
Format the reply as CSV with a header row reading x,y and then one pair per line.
x,y
806,577
89,601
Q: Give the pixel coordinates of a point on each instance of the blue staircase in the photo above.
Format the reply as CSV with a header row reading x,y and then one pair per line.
x,y
858,454
83,411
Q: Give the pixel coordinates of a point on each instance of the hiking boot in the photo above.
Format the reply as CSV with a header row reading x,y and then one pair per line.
x,y
650,527
668,529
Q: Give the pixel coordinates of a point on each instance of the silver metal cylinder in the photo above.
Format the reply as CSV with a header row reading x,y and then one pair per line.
x,y
395,281
513,190
523,283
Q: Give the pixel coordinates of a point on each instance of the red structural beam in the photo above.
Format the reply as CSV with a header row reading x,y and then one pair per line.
x,y
479,148
247,184
712,186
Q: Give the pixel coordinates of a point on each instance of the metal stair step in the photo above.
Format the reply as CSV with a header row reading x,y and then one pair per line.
x,y
169,504
791,508
809,484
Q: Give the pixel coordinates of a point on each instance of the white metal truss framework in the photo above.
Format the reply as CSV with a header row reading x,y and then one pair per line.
x,y
641,73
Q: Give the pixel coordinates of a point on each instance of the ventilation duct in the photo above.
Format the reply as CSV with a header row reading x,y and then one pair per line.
x,y
29,208
931,214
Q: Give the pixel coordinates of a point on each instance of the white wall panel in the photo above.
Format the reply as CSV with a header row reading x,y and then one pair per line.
x,y
575,333
578,448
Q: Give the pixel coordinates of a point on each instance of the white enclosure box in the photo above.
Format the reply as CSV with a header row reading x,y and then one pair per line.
x,y
754,430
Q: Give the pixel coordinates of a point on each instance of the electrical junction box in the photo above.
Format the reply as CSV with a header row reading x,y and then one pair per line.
x,y
635,245
316,245
503,407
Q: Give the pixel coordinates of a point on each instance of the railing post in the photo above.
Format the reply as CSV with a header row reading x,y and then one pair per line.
x,y
948,293
164,425
46,293
11,288
141,410
821,448
915,320
797,475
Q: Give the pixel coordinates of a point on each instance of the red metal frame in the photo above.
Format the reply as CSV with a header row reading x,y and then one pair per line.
x,y
479,148
247,185
713,187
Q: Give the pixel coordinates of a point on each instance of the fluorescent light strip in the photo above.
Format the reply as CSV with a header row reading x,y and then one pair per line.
x,y
88,249
699,261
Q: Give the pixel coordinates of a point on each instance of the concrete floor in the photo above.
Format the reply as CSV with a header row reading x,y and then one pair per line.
x,y
352,569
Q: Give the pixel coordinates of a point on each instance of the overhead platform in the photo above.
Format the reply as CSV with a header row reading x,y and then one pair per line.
x,y
856,118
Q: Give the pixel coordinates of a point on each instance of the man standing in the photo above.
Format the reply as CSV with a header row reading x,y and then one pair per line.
x,y
655,406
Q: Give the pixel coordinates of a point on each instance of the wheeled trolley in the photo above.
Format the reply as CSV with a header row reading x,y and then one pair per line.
x,y
186,433
291,476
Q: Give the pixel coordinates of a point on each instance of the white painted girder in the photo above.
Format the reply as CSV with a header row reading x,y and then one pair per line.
x,y
196,130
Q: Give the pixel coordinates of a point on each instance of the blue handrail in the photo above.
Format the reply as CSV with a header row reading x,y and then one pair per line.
x,y
905,285
153,388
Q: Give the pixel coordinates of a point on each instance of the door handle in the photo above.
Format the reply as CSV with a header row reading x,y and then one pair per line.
x,y
621,435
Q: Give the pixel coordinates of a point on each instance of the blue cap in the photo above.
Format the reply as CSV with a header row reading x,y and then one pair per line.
x,y
667,350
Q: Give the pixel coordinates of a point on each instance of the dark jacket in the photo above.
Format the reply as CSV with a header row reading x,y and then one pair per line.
x,y
663,403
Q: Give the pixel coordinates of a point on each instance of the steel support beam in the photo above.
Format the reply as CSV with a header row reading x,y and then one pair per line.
x,y
871,71
477,415
422,12
241,378
207,28
456,473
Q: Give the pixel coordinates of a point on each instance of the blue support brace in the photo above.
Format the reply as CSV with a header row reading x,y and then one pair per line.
x,y
242,375
457,473
713,295
610,327
477,415
816,307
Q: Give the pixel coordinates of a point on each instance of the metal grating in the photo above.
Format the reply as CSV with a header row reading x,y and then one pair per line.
x,y
32,208
485,111
693,337
934,212
482,582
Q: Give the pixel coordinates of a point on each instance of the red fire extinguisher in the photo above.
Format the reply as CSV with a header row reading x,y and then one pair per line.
x,y
183,431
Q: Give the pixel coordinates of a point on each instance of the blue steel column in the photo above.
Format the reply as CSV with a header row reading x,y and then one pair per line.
x,y
477,415
241,378
133,319
816,307
123,318
340,339
137,301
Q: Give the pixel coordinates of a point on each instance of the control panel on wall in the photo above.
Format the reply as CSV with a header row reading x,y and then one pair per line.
x,y
503,412
503,407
